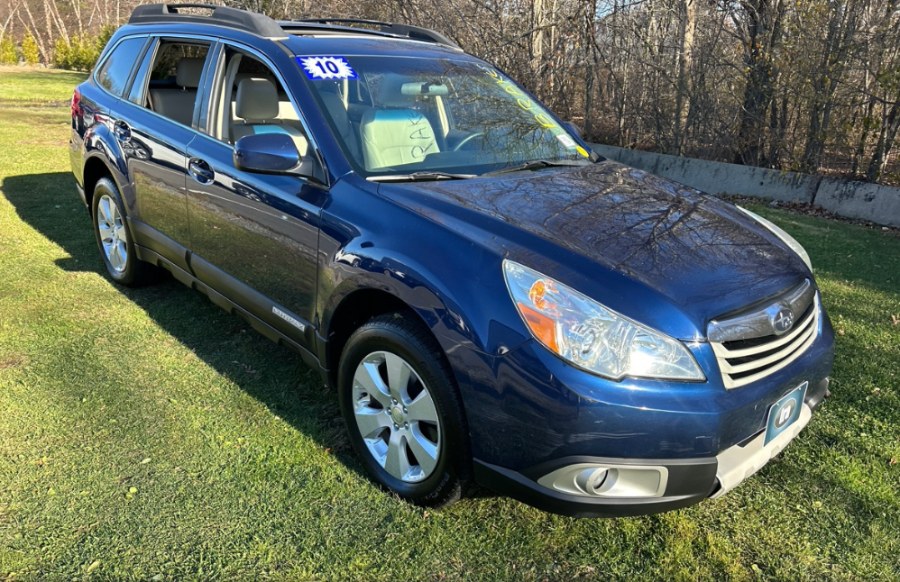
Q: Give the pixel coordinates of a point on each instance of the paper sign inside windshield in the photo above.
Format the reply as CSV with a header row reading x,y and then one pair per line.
x,y
320,68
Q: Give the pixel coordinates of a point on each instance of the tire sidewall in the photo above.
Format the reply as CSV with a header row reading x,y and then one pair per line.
x,y
387,337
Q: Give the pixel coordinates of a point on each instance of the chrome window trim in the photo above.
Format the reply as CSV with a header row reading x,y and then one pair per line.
x,y
163,36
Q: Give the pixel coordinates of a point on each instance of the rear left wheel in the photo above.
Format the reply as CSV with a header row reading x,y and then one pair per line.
x,y
113,237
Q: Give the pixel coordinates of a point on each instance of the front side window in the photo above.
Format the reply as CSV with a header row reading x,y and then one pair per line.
x,y
249,99
114,74
404,115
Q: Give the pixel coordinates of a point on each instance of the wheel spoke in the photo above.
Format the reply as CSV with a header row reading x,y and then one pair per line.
x,y
369,379
121,253
398,373
115,258
105,212
426,452
112,255
103,227
422,408
371,421
396,463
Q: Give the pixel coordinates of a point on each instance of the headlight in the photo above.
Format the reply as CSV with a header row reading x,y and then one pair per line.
x,y
591,336
785,237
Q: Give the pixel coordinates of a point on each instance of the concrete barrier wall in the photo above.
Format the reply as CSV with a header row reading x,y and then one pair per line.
x,y
861,200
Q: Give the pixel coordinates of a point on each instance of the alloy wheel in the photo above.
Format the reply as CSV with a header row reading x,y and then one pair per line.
x,y
396,416
113,237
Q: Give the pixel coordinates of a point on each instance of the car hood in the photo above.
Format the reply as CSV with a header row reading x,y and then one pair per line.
x,y
700,253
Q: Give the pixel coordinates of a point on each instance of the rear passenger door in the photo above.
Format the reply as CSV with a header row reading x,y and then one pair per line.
x,y
254,236
155,129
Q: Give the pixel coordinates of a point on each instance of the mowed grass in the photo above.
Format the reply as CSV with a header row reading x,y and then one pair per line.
x,y
144,434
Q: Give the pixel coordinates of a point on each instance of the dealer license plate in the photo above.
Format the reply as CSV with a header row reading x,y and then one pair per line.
x,y
785,412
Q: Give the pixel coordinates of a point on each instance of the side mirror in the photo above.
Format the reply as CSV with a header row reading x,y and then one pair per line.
x,y
571,126
266,153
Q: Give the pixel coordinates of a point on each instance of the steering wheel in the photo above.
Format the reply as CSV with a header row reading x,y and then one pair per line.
x,y
467,139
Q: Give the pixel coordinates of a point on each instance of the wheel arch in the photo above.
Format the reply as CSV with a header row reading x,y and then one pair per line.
x,y
354,310
95,168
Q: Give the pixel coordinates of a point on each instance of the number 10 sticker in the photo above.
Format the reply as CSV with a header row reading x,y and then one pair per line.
x,y
317,68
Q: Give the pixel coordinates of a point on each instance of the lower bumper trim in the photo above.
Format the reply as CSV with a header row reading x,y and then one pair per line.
x,y
739,462
700,477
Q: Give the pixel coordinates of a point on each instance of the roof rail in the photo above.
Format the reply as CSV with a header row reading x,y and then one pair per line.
x,y
385,28
253,22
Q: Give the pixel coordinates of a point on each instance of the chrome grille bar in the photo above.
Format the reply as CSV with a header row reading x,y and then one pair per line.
x,y
740,364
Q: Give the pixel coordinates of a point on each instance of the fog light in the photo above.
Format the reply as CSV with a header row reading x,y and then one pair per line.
x,y
592,481
607,480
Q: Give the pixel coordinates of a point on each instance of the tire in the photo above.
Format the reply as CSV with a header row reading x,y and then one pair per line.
x,y
114,239
412,413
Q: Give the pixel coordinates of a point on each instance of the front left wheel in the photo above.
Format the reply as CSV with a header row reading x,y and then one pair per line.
x,y
402,410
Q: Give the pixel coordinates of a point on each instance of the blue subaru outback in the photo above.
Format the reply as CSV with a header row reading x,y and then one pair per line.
x,y
491,301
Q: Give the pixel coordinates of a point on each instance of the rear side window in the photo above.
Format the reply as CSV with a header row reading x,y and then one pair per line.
x,y
172,89
138,87
116,70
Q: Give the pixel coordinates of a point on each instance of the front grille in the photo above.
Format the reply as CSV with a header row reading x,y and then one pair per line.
x,y
743,360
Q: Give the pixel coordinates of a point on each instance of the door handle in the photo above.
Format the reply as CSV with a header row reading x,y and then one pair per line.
x,y
122,131
200,171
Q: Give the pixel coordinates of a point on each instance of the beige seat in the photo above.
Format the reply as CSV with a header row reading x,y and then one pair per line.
x,y
257,107
394,137
178,103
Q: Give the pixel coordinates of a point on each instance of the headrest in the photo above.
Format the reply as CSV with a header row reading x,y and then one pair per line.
x,y
187,73
256,99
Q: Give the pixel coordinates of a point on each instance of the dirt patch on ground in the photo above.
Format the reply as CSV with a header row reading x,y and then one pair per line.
x,y
8,361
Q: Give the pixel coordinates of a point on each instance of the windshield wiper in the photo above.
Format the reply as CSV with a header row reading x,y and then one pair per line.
x,y
423,176
537,165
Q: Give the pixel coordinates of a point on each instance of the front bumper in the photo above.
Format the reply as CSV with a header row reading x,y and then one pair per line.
x,y
686,481
530,413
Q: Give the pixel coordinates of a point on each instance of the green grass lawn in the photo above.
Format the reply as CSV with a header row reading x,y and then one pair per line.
x,y
144,434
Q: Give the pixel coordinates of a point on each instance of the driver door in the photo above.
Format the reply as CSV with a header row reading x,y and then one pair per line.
x,y
254,236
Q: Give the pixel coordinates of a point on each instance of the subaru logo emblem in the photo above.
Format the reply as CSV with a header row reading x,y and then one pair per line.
x,y
783,320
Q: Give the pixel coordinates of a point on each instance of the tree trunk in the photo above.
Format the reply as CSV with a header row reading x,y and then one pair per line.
x,y
841,25
687,32
42,42
763,35
885,143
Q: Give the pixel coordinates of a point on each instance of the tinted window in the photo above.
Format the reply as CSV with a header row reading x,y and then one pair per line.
x,y
117,68
174,79
136,94
250,99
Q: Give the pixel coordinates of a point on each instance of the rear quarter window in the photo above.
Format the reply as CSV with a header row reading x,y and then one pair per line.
x,y
117,68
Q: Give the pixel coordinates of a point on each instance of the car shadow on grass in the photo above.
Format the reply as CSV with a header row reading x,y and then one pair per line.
x,y
275,376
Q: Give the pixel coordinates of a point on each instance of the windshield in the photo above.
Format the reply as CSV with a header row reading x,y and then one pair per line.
x,y
398,116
